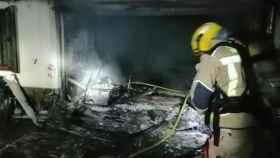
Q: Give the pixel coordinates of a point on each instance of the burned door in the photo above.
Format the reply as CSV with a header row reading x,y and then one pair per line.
x,y
8,40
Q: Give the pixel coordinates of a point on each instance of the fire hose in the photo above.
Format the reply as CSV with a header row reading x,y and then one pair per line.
x,y
170,132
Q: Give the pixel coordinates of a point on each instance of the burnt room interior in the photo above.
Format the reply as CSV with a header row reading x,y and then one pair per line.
x,y
111,78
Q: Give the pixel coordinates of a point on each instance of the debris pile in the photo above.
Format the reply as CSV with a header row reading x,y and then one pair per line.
x,y
132,120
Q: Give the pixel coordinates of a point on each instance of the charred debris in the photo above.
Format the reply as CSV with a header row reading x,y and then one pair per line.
x,y
137,115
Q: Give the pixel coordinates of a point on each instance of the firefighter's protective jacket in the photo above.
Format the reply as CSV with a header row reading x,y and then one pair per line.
x,y
223,68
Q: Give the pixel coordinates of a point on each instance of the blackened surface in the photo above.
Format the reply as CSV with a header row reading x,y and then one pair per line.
x,y
7,103
158,7
138,118
153,49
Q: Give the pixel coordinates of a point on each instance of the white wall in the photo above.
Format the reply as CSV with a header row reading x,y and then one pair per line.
x,y
38,44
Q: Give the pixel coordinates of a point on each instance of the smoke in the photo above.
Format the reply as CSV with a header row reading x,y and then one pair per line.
x,y
154,49
95,76
150,49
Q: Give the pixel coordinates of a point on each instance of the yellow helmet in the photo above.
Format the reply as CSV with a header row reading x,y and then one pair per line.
x,y
207,36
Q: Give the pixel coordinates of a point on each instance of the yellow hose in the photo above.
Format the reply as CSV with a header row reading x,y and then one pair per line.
x,y
156,86
168,134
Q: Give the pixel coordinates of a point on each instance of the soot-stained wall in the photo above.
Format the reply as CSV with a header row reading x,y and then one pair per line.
x,y
151,49
146,48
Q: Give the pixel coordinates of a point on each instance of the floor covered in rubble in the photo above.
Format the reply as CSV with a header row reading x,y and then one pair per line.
x,y
22,139
63,136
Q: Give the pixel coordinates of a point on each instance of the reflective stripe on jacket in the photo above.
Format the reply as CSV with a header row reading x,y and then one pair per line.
x,y
222,68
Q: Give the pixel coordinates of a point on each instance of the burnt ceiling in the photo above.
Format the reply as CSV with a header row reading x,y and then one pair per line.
x,y
159,7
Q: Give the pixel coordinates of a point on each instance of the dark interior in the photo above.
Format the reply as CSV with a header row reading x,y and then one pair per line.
x,y
111,43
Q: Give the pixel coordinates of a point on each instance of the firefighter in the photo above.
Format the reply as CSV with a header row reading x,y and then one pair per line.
x,y
220,67
219,85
